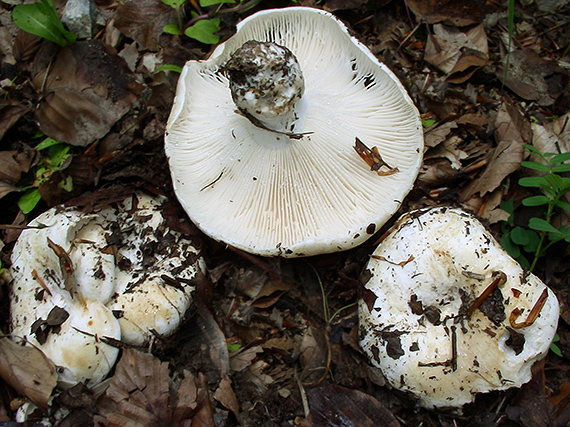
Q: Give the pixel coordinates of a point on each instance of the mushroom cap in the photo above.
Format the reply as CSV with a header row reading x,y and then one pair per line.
x,y
415,320
127,268
274,195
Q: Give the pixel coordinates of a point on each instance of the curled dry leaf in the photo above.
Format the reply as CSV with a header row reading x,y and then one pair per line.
x,y
28,370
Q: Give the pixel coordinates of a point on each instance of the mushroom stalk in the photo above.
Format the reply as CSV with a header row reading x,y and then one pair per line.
x,y
267,85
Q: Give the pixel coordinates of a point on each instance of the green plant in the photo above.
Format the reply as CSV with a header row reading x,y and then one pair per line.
x,y
203,27
553,188
57,154
511,25
554,348
41,19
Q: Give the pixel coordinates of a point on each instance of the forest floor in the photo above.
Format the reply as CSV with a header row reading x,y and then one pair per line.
x,y
450,56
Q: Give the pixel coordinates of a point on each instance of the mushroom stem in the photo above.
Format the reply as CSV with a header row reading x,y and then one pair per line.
x,y
267,85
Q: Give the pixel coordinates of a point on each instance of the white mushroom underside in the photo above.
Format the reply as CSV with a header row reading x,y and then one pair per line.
x,y
445,259
272,195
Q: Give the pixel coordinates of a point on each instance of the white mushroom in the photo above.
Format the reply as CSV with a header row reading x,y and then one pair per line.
x,y
447,313
82,279
320,151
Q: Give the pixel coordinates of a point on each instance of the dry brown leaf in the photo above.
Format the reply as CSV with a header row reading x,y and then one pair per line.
x,y
143,21
353,407
457,12
512,132
457,52
142,394
10,112
87,89
28,370
226,396
242,359
533,77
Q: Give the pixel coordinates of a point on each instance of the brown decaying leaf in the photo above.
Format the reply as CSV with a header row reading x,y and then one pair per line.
x,y
142,394
226,396
350,408
513,131
533,77
10,112
143,21
28,370
86,90
457,52
457,12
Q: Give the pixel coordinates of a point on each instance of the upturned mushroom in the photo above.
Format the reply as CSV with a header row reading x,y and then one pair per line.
x,y
83,280
446,313
292,139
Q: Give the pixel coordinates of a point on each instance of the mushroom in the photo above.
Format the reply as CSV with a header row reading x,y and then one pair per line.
x,y
82,280
292,139
446,313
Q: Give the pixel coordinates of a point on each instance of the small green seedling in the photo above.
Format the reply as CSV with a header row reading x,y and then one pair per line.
x,y
554,348
204,27
553,187
57,154
41,19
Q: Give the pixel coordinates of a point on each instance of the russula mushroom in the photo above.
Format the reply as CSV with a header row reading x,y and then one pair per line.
x,y
81,280
446,313
292,139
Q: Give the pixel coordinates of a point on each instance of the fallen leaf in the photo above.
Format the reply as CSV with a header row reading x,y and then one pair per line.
x,y
512,132
226,396
533,77
143,21
336,406
456,12
10,112
457,52
28,370
86,90
142,394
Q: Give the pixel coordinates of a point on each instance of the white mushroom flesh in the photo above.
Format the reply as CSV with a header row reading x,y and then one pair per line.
x,y
420,318
275,195
80,279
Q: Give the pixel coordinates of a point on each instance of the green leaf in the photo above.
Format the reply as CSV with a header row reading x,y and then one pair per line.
x,y
561,168
536,166
171,29
520,236
46,143
556,350
508,245
542,225
57,155
169,67
42,20
563,205
533,181
532,245
29,200
536,201
560,158
232,348
175,4
205,3
509,207
204,30
533,150
427,123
